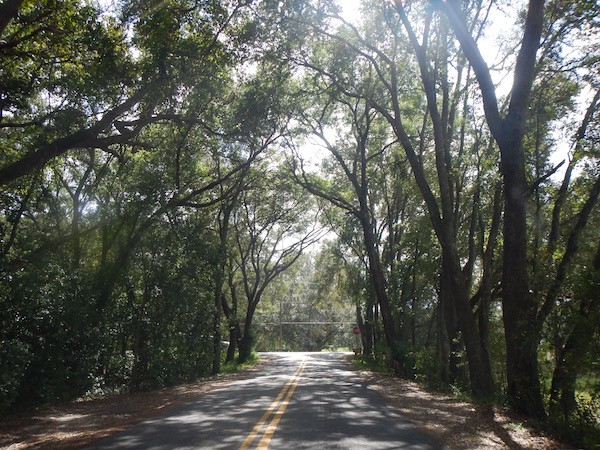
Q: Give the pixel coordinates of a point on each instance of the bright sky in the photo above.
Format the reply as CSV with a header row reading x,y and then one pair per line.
x,y
350,9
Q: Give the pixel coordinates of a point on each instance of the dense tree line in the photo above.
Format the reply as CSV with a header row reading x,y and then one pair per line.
x,y
430,163
156,189
307,308
135,143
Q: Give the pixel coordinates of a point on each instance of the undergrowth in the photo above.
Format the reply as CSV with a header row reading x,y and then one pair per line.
x,y
365,362
234,366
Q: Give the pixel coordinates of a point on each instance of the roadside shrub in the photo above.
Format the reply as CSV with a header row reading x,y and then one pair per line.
x,y
14,359
582,428
428,368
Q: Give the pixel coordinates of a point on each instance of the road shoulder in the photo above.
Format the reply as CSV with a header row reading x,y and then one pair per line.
x,y
458,424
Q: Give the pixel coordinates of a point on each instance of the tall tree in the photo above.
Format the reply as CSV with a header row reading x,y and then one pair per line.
x,y
355,164
271,232
379,70
522,319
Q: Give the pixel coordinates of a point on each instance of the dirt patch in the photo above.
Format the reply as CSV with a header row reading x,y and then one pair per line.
x,y
458,424
78,424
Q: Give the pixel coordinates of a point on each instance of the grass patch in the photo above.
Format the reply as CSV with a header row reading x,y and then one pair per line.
x,y
233,366
364,362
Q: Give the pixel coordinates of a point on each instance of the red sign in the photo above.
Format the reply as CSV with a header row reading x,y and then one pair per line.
x,y
356,330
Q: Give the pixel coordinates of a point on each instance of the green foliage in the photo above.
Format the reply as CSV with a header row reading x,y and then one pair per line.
x,y
109,252
309,301
235,366
14,359
112,251
582,427
371,363
68,50
428,368
52,341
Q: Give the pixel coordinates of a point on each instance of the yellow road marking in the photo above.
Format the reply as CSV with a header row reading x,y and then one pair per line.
x,y
288,389
266,439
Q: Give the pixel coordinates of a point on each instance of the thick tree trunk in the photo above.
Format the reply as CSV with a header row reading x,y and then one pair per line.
x,y
231,315
480,373
246,341
377,277
233,338
233,321
519,308
366,329
369,326
454,344
219,284
562,393
245,345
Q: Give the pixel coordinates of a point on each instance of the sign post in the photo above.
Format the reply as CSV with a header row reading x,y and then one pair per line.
x,y
358,348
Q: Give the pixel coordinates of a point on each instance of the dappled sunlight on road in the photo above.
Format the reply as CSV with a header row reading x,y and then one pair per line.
x,y
298,401
333,408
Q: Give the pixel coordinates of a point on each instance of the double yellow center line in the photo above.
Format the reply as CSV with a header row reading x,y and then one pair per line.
x,y
282,401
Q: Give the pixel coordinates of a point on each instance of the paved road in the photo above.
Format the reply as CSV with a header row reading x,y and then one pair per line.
x,y
299,401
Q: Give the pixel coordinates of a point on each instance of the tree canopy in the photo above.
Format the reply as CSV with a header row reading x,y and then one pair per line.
x,y
166,168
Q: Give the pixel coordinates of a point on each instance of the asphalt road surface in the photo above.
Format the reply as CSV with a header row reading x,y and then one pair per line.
x,y
299,401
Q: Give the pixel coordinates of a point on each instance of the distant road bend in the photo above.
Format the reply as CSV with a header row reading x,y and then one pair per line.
x,y
298,401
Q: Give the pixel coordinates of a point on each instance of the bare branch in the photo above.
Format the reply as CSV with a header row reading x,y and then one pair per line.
x,y
547,175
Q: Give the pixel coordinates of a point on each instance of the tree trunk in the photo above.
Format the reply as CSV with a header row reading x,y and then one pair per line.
x,y
233,338
217,308
232,320
454,344
519,308
575,349
379,285
369,326
219,283
246,341
562,394
480,373
245,346
365,337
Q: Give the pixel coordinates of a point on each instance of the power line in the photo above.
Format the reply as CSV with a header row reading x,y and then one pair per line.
x,y
305,323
